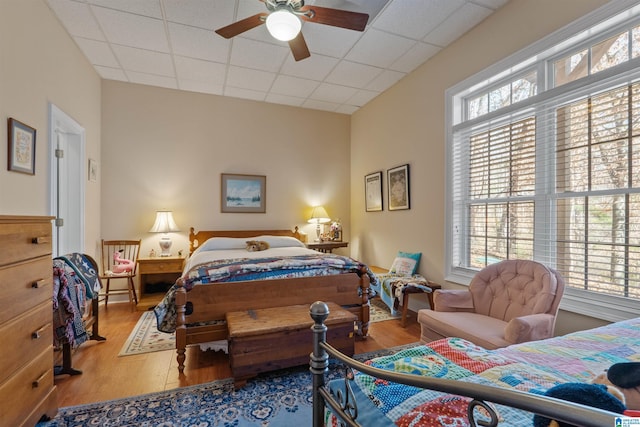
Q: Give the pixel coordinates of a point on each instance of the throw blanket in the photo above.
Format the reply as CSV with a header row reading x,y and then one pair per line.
x,y
531,367
75,283
391,288
244,269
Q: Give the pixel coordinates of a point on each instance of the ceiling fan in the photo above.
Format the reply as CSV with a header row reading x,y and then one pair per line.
x,y
283,22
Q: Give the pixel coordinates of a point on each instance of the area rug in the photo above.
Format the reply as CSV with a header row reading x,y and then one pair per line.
x,y
145,337
278,399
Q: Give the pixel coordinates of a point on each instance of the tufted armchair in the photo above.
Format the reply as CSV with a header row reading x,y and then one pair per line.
x,y
509,302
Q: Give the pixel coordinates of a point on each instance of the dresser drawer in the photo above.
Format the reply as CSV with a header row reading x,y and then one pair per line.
x,y
27,335
161,266
26,389
25,285
24,241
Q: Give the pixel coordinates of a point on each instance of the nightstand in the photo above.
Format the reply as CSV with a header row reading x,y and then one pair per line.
x,y
327,247
157,274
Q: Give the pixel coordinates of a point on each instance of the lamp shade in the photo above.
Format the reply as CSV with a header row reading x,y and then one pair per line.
x,y
319,215
164,223
283,25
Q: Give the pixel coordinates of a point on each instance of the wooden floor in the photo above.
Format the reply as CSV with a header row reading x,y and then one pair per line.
x,y
106,376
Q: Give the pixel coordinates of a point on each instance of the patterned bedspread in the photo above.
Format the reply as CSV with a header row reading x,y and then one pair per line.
x,y
532,367
243,269
391,287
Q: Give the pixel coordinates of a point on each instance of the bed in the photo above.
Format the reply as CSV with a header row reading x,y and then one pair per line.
x,y
437,383
197,313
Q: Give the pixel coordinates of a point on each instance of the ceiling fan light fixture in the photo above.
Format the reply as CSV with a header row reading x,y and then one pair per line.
x,y
283,25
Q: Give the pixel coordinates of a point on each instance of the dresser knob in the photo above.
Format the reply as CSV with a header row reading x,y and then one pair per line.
x,y
41,240
38,283
37,334
36,383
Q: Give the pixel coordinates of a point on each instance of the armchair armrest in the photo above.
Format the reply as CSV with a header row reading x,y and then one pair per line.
x,y
529,328
452,300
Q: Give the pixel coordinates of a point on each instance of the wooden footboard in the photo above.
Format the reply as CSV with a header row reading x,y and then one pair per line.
x,y
207,303
345,406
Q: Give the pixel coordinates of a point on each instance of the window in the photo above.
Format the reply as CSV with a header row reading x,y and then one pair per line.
x,y
544,157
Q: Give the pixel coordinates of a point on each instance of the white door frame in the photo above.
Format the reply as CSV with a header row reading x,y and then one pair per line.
x,y
68,196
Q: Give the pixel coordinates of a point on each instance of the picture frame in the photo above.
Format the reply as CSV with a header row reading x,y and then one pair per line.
x,y
22,147
398,188
243,193
373,192
93,170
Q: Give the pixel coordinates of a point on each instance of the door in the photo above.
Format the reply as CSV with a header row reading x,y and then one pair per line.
x,y
67,154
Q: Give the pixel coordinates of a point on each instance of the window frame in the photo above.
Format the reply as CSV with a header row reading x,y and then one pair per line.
x,y
540,56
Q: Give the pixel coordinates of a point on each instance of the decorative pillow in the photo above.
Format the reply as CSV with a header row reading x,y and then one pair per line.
x,y
217,243
406,263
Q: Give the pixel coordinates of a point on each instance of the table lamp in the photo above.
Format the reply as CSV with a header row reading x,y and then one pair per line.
x,y
164,224
319,216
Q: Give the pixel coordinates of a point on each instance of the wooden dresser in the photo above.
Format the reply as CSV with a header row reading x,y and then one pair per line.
x,y
27,391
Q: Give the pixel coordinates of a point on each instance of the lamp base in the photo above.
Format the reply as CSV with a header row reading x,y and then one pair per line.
x,y
165,245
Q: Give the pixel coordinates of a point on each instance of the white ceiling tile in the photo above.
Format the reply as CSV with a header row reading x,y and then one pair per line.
x,y
385,80
352,74
316,67
149,8
361,97
457,24
144,61
152,80
328,40
198,43
111,73
293,86
77,19
97,52
370,7
250,79
320,105
379,49
199,70
261,56
284,99
207,14
332,93
128,29
347,109
244,93
415,57
415,18
493,4
199,86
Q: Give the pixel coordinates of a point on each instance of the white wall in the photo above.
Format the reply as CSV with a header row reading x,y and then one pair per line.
x,y
39,63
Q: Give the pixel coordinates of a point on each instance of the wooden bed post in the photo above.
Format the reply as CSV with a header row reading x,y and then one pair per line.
x,y
181,327
319,363
365,307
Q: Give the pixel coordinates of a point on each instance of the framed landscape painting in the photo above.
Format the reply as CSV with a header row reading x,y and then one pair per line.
x,y
398,187
373,192
243,193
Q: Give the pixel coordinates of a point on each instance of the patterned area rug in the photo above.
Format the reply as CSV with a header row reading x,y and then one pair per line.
x,y
278,399
145,337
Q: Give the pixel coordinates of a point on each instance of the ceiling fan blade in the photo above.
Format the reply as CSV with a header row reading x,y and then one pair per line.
x,y
299,47
241,26
336,17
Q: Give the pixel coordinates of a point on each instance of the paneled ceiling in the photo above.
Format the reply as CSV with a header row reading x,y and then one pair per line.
x,y
172,44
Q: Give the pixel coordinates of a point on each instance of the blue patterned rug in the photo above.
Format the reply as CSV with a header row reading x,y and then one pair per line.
x,y
277,399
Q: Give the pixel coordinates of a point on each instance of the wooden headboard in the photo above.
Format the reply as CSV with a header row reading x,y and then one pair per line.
x,y
196,239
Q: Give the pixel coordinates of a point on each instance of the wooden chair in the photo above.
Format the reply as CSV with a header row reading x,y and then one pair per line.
x,y
119,262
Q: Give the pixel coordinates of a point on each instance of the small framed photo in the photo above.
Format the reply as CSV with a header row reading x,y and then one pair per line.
x,y
93,170
243,193
22,147
398,188
373,192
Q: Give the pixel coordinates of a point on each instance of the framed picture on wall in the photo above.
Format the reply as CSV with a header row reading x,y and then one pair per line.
x,y
373,192
398,187
22,147
243,193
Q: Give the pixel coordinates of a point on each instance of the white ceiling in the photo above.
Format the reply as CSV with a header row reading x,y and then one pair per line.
x,y
172,44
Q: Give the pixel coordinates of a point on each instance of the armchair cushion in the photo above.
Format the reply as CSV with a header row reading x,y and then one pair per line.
x,y
452,300
529,328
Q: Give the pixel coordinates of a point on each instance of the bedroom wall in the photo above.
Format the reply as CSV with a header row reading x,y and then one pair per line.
x,y
164,148
406,125
39,64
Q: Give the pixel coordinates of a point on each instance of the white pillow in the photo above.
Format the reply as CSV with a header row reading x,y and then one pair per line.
x,y
280,241
217,243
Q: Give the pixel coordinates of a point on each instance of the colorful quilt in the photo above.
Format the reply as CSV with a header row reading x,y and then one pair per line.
x,y
391,287
244,269
531,367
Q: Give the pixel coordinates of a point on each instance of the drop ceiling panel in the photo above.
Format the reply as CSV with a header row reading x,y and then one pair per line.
x,y
172,44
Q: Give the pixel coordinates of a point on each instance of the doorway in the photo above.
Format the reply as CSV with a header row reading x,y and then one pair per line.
x,y
67,181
